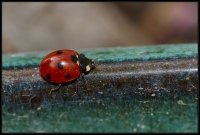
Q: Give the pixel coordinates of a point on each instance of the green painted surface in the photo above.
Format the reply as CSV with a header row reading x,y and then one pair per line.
x,y
117,115
111,54
133,115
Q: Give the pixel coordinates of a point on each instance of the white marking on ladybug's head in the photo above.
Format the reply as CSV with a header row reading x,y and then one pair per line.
x,y
78,62
88,68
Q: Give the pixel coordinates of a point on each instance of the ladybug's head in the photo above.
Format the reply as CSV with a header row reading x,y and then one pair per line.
x,y
86,64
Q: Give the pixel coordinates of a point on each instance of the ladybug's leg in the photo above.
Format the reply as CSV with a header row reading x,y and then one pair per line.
x,y
85,82
77,86
55,89
27,95
77,91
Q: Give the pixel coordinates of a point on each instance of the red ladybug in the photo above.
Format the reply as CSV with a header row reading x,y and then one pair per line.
x,y
64,66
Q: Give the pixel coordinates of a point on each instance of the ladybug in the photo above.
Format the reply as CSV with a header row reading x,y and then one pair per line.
x,y
64,66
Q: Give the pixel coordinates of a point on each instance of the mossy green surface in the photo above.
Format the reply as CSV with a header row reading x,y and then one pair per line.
x,y
138,114
133,115
145,53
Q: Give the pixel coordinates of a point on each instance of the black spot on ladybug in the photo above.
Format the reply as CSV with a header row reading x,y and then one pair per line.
x,y
59,52
74,58
48,76
60,65
67,76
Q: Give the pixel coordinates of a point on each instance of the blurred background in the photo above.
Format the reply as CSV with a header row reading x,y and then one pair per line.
x,y
38,26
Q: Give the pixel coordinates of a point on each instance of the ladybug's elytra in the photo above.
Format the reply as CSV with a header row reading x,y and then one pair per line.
x,y
64,66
